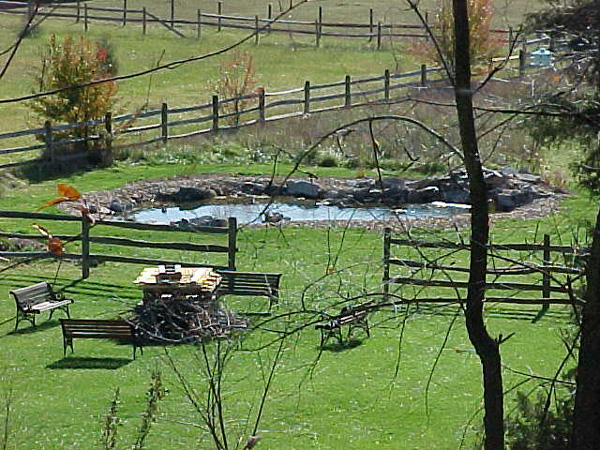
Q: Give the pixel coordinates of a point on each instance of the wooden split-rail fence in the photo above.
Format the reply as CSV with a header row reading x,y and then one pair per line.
x,y
526,274
369,29
218,115
88,259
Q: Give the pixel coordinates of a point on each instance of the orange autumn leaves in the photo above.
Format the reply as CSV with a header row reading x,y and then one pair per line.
x,y
66,193
54,244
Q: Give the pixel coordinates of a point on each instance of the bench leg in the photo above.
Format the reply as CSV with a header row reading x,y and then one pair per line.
x,y
63,308
135,347
67,342
24,316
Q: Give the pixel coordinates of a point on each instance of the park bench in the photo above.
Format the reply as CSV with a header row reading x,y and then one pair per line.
x,y
351,316
250,283
37,298
437,272
98,329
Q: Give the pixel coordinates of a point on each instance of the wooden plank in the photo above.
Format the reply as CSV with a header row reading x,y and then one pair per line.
x,y
150,261
188,246
524,270
509,300
14,134
157,227
499,247
464,285
38,216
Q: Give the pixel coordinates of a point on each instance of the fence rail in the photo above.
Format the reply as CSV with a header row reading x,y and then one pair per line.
x,y
86,257
531,268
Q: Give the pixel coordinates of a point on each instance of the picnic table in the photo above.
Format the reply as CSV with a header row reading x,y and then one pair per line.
x,y
178,282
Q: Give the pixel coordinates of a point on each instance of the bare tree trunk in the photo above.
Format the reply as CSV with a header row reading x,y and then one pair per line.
x,y
486,347
586,415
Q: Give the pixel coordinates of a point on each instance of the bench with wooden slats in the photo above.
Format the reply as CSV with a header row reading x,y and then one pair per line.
x,y
98,329
351,316
250,283
37,298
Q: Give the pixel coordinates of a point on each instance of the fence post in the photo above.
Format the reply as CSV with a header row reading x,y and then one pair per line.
x,y
320,20
386,85
164,122
172,13
85,247
78,13
144,21
371,25
307,97
317,34
30,10
109,132
256,30
269,17
510,37
124,12
219,12
199,26
48,142
261,105
378,35
423,75
232,243
85,17
387,236
215,113
522,61
347,93
546,261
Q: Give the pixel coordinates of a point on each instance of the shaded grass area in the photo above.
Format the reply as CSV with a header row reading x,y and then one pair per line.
x,y
360,396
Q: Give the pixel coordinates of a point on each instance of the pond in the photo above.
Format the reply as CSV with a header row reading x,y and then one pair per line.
x,y
246,213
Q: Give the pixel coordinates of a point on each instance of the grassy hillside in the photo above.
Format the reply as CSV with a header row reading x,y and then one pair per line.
x,y
374,395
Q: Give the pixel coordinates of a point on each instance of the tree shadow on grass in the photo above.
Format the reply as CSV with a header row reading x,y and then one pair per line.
x,y
89,363
348,344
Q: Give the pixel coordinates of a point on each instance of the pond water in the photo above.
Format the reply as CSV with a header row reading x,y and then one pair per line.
x,y
246,213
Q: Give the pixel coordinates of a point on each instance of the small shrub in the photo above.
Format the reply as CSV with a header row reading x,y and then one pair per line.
x,y
236,79
328,161
75,62
484,44
534,428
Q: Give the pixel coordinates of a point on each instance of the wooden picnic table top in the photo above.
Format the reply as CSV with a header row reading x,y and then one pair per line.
x,y
192,278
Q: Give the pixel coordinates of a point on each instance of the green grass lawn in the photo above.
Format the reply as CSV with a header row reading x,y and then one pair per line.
x,y
348,399
374,395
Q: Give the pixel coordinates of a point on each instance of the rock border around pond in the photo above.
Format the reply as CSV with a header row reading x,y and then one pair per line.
x,y
508,190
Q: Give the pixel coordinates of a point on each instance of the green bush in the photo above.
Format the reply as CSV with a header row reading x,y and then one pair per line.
x,y
69,63
534,428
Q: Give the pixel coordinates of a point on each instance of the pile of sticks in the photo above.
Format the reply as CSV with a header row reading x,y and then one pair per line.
x,y
176,318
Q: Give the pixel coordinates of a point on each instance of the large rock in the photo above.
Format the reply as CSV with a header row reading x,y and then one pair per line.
x,y
302,189
456,196
187,195
393,185
425,195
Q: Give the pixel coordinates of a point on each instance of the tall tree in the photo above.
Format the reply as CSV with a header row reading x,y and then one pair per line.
x,y
487,348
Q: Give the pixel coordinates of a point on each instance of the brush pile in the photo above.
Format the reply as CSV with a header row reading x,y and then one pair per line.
x,y
180,306
185,319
